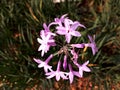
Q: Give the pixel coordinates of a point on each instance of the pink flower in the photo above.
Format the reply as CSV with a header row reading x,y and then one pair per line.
x,y
69,53
44,64
46,41
72,73
58,74
69,29
92,44
82,68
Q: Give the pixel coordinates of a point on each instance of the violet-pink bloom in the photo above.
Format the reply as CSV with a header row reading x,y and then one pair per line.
x,y
92,44
58,74
69,29
48,32
44,64
71,73
46,41
65,62
83,67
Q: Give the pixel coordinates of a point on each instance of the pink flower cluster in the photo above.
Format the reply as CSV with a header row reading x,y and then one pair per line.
x,y
68,64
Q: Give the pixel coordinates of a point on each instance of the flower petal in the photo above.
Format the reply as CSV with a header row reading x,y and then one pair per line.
x,y
68,38
77,45
81,72
51,76
75,33
37,60
41,65
76,73
62,74
86,63
76,24
57,76
39,40
71,76
86,69
65,62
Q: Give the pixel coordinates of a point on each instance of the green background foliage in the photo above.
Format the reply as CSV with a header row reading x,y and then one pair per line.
x,y
20,23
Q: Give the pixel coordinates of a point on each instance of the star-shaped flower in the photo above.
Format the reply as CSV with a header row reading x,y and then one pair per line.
x,y
46,41
92,44
69,29
71,74
56,73
44,64
82,68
